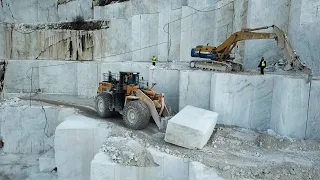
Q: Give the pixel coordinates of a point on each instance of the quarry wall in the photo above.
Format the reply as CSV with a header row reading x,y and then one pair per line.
x,y
287,104
141,28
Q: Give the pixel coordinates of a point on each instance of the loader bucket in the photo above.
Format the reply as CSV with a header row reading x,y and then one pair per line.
x,y
154,113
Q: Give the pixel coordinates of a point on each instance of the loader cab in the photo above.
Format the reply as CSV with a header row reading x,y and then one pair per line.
x,y
129,78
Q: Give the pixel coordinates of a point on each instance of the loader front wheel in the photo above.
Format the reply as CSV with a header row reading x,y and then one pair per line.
x,y
103,103
136,115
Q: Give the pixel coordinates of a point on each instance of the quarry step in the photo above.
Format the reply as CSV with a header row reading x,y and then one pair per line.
x,y
191,127
77,140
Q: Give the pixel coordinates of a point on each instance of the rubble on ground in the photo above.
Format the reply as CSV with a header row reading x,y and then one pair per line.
x,y
128,152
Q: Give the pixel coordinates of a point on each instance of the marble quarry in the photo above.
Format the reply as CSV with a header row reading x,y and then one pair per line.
x,y
43,58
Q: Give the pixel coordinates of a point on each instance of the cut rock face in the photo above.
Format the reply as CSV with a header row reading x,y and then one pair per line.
x,y
191,127
127,152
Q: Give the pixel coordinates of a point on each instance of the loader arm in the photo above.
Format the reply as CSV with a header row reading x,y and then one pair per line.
x,y
154,113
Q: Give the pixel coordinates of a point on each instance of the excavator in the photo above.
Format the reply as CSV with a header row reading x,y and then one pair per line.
x,y
220,59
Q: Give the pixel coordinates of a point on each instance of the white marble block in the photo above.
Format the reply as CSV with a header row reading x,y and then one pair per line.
x,y
194,89
25,129
171,167
103,168
313,126
47,162
77,140
290,106
242,100
191,127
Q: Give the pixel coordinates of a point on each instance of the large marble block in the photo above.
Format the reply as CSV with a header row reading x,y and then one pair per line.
x,y
47,162
76,142
18,76
313,123
191,127
290,106
28,129
58,77
194,89
87,77
167,82
116,41
103,168
144,37
242,100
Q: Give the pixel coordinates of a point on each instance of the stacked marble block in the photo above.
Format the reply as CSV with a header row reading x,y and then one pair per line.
x,y
76,142
25,129
191,128
277,102
168,167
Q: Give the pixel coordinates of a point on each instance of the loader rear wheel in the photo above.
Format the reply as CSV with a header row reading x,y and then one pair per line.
x,y
103,102
136,115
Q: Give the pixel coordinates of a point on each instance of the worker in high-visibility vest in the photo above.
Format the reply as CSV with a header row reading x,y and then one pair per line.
x,y
154,60
262,65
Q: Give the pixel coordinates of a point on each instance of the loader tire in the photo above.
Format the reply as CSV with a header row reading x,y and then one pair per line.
x,y
103,102
136,115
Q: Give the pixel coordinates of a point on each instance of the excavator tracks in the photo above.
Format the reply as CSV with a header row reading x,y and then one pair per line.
x,y
211,65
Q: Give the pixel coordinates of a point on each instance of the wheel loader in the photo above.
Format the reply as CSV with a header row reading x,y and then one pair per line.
x,y
125,93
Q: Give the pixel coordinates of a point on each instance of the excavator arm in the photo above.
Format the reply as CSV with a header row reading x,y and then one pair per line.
x,y
222,52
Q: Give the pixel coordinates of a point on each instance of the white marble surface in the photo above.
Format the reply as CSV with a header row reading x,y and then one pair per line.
x,y
68,11
259,15
313,123
290,107
173,168
116,41
87,79
194,89
52,77
76,142
168,83
191,127
242,100
18,77
113,11
25,127
103,168
47,162
199,171
47,44
144,37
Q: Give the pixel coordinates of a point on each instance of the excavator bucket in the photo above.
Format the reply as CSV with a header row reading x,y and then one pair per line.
x,y
160,121
293,60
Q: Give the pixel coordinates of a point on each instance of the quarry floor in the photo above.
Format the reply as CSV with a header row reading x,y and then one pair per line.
x,y
235,153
